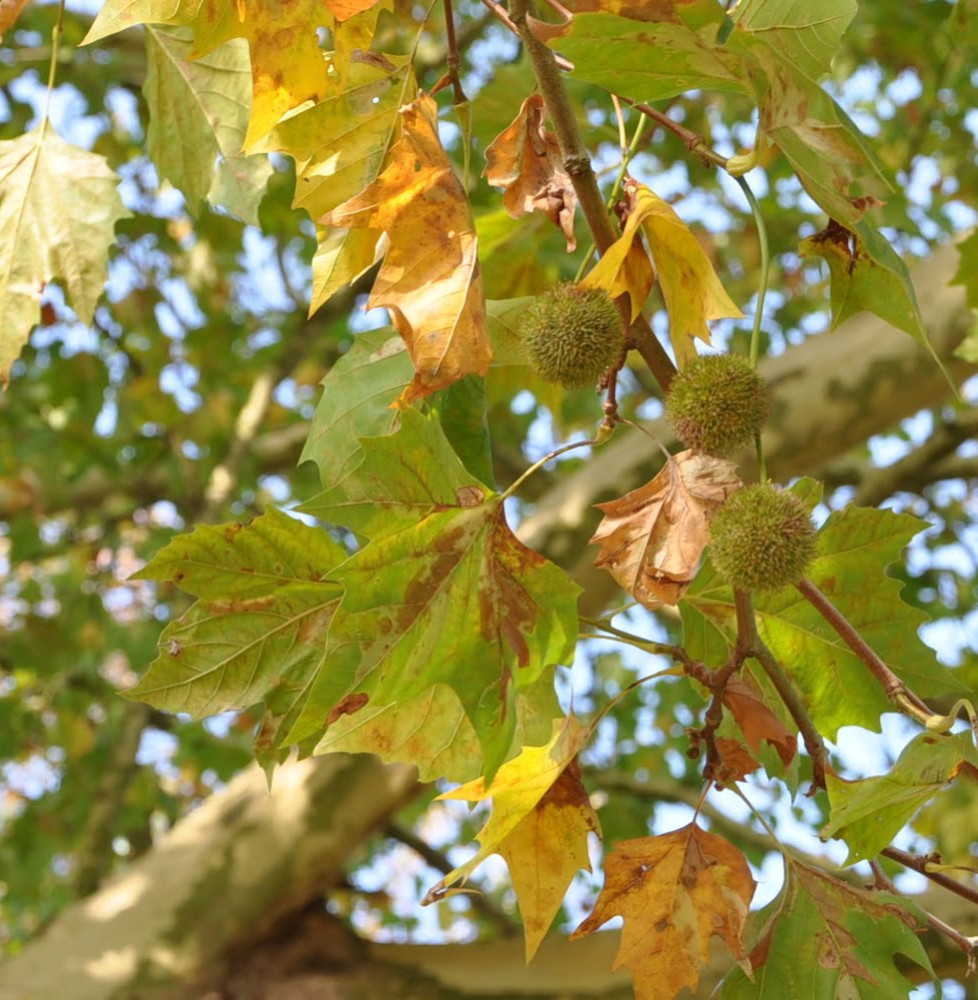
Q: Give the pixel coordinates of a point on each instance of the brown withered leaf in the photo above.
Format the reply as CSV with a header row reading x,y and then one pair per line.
x,y
430,279
9,12
651,539
674,892
735,762
757,722
524,160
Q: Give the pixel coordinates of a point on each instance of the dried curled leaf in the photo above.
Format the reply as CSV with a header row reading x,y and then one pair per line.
x,y
525,160
651,539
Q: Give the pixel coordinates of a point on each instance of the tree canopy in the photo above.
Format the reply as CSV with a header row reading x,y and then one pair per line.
x,y
353,405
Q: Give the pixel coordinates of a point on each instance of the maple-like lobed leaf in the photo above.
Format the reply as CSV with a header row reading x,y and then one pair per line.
x,y
516,789
675,892
690,287
825,938
198,116
757,722
525,161
868,814
546,850
443,593
288,66
258,629
651,539
429,280
58,209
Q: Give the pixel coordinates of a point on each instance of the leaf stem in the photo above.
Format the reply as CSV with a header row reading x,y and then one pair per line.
x,y
659,648
755,337
895,689
518,482
52,69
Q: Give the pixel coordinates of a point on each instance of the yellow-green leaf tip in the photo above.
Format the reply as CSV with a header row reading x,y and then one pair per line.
x,y
572,335
717,403
762,538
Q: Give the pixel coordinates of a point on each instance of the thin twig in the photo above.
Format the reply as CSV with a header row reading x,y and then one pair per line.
x,y
919,863
500,12
895,689
796,707
694,143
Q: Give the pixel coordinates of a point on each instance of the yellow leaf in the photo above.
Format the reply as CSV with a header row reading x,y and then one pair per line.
x,y
525,160
674,892
430,277
518,786
651,539
288,66
691,290
545,851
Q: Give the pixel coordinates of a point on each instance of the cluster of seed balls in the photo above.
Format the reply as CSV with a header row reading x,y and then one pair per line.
x,y
762,538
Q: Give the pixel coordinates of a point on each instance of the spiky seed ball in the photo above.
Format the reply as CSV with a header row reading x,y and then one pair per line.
x,y
572,335
762,538
717,403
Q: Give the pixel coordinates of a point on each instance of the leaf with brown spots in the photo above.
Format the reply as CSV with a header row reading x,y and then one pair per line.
x,y
651,539
540,819
825,938
675,892
430,279
443,593
525,160
257,632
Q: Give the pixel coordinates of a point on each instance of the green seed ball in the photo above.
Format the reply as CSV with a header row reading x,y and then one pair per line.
x,y
717,403
762,538
572,335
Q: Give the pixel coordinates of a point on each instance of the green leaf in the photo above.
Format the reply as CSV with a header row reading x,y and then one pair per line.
x,y
449,598
401,479
58,210
967,272
258,628
834,163
825,940
868,814
617,53
198,118
868,275
854,548
502,320
804,34
357,395
461,409
432,732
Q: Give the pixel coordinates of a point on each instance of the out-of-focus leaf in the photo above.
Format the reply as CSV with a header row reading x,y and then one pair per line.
x,y
58,210
198,116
